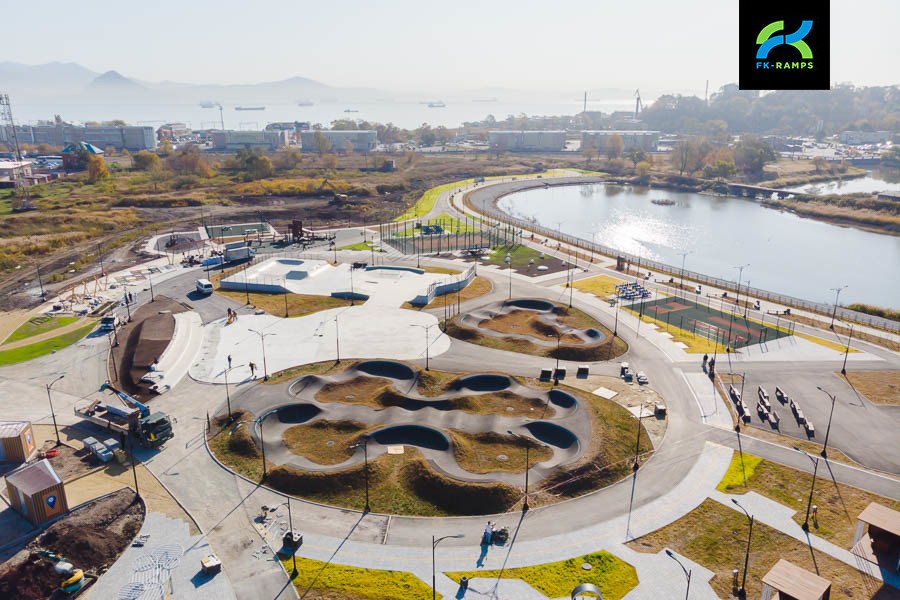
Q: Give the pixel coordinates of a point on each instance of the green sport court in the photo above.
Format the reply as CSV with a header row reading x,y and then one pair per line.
x,y
231,230
730,329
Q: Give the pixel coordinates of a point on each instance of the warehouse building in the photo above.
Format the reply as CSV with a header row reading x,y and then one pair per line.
x,y
37,492
129,137
645,140
527,141
235,140
16,441
865,137
363,140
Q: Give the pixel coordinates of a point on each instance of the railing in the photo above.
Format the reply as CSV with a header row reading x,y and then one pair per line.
x,y
588,246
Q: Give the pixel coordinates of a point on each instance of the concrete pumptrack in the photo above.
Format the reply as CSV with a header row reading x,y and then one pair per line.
x,y
567,432
547,314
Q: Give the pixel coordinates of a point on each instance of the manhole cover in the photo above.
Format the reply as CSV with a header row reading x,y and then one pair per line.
x,y
329,443
349,397
502,457
510,409
587,566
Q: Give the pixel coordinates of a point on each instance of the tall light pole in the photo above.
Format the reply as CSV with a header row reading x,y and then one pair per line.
x,y
527,464
837,292
434,543
427,343
227,395
687,573
509,269
747,554
337,338
52,413
262,340
294,572
811,487
262,444
847,351
740,269
683,257
831,414
364,442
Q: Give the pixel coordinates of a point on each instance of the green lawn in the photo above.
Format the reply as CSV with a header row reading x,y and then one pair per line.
x,y
613,576
355,583
519,257
360,246
448,224
424,204
23,353
37,326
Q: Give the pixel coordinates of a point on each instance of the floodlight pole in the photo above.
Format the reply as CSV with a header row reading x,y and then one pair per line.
x,y
262,340
747,553
847,351
364,442
683,257
525,506
837,292
740,269
687,573
830,415
434,543
52,413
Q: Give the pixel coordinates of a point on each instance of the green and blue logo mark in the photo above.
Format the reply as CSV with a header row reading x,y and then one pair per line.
x,y
767,40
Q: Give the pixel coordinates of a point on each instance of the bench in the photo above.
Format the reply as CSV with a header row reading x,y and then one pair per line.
x,y
774,418
546,374
762,393
780,395
762,410
559,373
800,417
810,429
583,371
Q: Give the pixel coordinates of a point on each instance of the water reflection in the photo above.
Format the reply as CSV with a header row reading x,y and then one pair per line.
x,y
879,180
788,254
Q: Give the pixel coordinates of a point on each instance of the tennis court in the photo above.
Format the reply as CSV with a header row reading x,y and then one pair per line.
x,y
230,230
702,319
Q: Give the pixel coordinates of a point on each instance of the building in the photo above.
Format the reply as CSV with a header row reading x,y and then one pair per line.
x,y
527,141
235,140
16,441
292,127
645,140
363,140
12,169
892,196
865,137
173,131
37,492
68,154
129,137
787,581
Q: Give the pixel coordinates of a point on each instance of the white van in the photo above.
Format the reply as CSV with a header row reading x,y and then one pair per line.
x,y
204,286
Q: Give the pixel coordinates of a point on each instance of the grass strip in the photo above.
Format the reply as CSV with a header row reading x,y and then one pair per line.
x,y
23,353
37,326
316,580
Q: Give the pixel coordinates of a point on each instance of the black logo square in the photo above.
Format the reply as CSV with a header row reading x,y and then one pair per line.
x,y
784,45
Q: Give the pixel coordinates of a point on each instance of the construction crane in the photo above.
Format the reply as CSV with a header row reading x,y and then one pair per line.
x,y
638,107
19,176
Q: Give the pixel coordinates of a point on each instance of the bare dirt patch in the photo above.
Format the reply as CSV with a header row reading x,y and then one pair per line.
x,y
91,538
880,387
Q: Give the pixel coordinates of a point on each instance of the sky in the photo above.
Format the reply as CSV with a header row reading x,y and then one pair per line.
x,y
414,45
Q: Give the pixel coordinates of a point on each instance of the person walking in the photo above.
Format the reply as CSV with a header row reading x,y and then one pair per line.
x,y
252,370
229,360
488,532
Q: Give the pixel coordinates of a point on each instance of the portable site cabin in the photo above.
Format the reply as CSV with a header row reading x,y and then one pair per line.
x,y
877,538
16,441
37,492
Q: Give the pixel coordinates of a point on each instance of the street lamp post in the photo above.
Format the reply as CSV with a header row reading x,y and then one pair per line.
x,y
740,269
527,464
365,446
127,304
427,343
262,445
294,572
837,292
262,340
52,413
683,257
747,554
434,543
847,351
227,395
337,338
687,573
830,415
811,487
509,269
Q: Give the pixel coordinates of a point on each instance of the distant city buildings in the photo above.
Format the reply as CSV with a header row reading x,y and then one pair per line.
x,y
363,140
865,137
235,140
645,140
527,141
120,137
173,131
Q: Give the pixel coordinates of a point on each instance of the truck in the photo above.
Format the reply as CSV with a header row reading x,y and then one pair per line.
x,y
238,254
109,322
151,430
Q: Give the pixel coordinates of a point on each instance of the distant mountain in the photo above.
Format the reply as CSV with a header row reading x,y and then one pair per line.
x,y
30,83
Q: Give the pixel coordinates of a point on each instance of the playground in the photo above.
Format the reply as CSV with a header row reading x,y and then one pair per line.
x,y
698,319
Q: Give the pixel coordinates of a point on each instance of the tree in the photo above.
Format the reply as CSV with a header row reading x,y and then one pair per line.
x,y
287,159
348,147
97,168
819,163
614,146
642,170
321,143
720,169
165,147
189,161
636,155
681,156
589,153
752,153
80,157
330,161
146,161
254,164
425,135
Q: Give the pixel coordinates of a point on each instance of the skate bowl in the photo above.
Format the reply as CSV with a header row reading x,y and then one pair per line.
x,y
297,413
562,399
386,368
486,382
553,435
531,304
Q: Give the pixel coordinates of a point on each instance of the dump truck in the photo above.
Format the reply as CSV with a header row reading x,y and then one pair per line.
x,y
150,430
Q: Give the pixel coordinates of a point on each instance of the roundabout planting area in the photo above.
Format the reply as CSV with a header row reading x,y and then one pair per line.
x,y
436,443
540,328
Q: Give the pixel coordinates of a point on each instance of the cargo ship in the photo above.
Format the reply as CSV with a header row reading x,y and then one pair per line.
x,y
249,108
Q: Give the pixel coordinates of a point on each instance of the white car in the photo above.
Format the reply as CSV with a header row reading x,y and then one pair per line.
x,y
642,378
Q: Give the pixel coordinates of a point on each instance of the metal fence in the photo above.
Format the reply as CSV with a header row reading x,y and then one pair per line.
x,y
588,246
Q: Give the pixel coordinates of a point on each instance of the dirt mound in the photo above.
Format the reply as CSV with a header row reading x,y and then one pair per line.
x,y
458,497
294,481
90,538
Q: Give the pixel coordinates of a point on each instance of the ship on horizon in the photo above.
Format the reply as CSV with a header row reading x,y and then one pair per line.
x,y
305,103
249,108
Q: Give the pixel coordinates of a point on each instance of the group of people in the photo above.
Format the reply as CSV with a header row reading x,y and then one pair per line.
x,y
252,365
232,314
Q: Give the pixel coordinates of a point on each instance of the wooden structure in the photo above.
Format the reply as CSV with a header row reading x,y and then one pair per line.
x,y
787,581
16,441
877,538
37,492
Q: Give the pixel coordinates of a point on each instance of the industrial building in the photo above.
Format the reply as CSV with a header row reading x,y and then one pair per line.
x,y
173,131
527,141
16,441
294,128
129,137
363,140
12,169
235,140
645,140
865,137
37,492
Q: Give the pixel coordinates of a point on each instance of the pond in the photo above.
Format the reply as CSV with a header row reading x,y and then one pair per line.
x,y
787,254
879,180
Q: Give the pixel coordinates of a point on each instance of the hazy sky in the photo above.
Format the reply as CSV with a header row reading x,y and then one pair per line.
x,y
429,45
